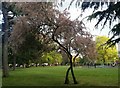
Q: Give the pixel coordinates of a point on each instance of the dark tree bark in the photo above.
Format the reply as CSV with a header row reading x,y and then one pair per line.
x,y
5,58
74,79
74,59
66,78
14,63
36,65
70,58
72,72
4,41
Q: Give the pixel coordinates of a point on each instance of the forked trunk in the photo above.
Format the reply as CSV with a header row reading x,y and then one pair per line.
x,y
70,58
74,79
66,78
72,72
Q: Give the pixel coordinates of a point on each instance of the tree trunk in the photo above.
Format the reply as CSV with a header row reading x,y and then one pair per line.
x,y
66,78
36,65
14,63
74,59
5,58
74,79
4,41
104,61
74,63
72,72
0,51
71,64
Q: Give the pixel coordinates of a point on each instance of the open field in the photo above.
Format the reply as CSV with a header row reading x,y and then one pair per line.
x,y
54,76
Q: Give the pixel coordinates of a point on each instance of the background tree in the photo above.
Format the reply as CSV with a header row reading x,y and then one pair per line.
x,y
52,58
30,49
87,47
103,53
30,46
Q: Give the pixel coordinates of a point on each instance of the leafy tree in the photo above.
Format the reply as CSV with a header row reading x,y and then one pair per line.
x,y
111,14
51,25
83,61
103,53
52,57
31,48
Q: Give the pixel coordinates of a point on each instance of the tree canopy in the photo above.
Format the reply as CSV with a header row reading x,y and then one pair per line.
x,y
50,25
105,55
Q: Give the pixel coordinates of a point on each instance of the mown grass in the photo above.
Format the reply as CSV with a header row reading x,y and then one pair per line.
x,y
54,76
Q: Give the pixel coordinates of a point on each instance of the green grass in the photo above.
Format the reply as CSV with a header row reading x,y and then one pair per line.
x,y
50,76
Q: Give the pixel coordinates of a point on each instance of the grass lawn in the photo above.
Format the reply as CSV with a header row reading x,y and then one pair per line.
x,y
54,76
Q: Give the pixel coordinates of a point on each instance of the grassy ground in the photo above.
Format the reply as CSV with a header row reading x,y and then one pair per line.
x,y
49,76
